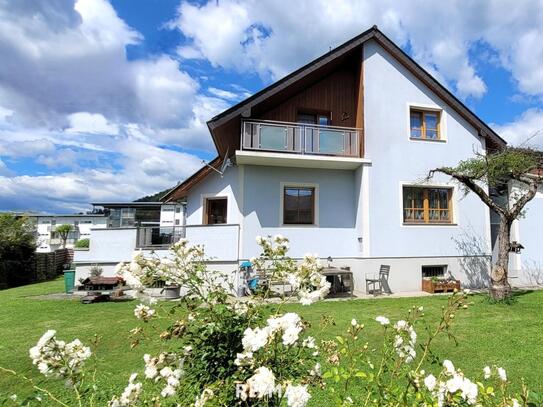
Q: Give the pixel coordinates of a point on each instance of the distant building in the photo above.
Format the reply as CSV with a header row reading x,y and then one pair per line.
x,y
47,239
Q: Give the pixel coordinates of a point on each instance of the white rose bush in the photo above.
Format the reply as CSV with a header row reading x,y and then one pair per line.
x,y
218,350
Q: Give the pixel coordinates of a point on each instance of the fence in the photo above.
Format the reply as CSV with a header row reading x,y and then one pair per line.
x,y
37,267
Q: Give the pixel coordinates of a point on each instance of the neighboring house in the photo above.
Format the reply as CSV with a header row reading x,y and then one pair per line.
x,y
47,239
334,156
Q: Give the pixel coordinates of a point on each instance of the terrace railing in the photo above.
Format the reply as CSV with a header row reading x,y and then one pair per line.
x,y
299,138
220,241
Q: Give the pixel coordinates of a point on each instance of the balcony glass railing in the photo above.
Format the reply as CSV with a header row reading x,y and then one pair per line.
x,y
158,236
300,138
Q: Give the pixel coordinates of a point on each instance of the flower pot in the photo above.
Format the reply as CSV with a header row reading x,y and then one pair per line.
x,y
171,292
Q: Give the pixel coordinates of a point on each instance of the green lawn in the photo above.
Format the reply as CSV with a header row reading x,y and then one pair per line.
x,y
505,335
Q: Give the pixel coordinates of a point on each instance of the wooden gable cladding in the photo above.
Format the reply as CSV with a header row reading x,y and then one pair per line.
x,y
336,93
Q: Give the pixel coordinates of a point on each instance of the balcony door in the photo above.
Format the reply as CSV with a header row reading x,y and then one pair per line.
x,y
215,210
318,139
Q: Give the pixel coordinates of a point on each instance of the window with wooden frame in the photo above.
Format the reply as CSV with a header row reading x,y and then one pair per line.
x,y
422,205
424,124
298,205
215,211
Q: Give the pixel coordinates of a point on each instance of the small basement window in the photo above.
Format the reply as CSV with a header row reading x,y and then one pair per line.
x,y
433,271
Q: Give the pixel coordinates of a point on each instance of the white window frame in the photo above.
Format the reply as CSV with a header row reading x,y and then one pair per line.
x,y
284,185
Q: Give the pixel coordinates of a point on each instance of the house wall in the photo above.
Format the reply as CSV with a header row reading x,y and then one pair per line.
x,y
336,94
336,233
526,268
389,90
215,186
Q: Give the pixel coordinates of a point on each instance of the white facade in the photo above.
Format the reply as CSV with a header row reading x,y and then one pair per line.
x,y
526,267
47,241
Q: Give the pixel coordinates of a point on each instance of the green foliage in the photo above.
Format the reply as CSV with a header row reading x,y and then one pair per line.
x,y
17,246
498,168
82,244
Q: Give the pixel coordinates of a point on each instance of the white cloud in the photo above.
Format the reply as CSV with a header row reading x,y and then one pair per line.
x,y
273,37
526,130
102,124
84,122
224,94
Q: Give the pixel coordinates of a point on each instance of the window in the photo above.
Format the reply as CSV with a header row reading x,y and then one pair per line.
x,y
177,209
215,211
427,205
424,124
299,205
177,222
433,271
322,119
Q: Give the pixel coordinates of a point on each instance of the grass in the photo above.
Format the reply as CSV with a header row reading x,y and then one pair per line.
x,y
505,335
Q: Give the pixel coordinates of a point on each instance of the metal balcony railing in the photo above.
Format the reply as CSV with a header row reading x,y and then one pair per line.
x,y
298,138
159,236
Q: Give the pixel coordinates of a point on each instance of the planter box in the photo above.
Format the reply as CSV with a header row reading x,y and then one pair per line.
x,y
440,286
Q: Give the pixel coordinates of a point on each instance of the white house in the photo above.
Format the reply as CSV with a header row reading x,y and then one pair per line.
x,y
335,157
48,240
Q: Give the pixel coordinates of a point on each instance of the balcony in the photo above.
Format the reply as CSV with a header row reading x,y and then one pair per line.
x,y
299,145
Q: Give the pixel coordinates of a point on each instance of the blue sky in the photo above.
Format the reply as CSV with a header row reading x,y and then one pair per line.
x,y
107,100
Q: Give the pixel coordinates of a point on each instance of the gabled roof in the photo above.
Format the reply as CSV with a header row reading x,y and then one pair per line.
x,y
227,122
245,106
182,189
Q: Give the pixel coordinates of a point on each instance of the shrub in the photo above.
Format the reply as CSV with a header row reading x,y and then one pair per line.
x,y
96,270
82,244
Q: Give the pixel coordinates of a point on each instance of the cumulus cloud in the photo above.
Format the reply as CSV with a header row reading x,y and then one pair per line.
x,y
526,130
274,37
71,101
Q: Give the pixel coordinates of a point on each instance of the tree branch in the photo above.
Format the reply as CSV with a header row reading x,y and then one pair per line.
x,y
533,186
472,185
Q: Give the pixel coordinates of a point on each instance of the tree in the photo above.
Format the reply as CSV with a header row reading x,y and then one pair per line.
x,y
499,171
17,246
63,232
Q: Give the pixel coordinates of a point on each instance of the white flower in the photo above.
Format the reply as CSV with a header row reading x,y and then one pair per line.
x,y
129,395
203,398
353,322
382,320
487,372
291,335
405,341
449,367
46,337
316,371
515,403
420,309
430,382
309,342
469,391
297,396
168,391
454,384
254,339
144,312
502,374
262,383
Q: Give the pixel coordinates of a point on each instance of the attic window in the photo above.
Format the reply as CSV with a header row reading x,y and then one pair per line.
x,y
424,124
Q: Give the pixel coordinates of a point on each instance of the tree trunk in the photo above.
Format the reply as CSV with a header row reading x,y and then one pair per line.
x,y
500,288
